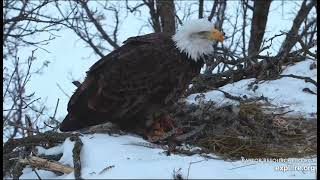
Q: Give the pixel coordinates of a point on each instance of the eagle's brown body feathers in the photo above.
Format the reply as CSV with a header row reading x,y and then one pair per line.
x,y
143,76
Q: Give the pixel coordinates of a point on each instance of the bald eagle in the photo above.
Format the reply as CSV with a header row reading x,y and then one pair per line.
x,y
145,75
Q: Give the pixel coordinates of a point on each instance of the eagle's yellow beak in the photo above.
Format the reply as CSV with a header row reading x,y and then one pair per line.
x,y
216,35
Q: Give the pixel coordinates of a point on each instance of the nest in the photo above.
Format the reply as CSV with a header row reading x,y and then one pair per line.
x,y
246,131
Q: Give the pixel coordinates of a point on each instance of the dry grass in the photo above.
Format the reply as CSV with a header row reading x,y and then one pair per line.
x,y
248,131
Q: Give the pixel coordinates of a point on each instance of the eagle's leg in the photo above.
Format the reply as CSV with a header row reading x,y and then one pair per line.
x,y
162,126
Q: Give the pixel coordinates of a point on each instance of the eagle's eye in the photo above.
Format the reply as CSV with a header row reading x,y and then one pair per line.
x,y
203,34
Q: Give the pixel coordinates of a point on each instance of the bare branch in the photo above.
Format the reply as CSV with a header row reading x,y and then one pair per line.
x,y
47,164
213,10
200,15
89,13
290,41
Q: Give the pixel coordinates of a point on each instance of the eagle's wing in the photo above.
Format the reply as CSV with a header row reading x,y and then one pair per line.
x,y
123,82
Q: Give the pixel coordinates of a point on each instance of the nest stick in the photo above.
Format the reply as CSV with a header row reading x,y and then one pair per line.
x,y
47,164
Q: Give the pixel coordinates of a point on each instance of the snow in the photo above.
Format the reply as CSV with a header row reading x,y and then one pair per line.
x,y
67,153
110,157
302,69
42,173
283,92
130,161
52,151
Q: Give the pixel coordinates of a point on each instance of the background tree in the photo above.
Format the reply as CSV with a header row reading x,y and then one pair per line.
x,y
258,26
22,21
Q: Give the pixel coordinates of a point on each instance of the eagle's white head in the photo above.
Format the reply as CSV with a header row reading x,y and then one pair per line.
x,y
196,37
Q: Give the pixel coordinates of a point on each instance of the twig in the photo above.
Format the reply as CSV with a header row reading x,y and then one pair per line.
x,y
279,114
76,156
53,118
191,133
307,79
7,88
228,95
17,170
14,147
148,145
29,129
33,169
76,83
308,91
177,174
47,164
27,105
55,110
62,90
47,137
242,166
106,169
193,163
46,124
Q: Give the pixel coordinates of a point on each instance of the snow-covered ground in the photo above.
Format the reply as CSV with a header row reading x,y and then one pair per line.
x,y
284,92
130,161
